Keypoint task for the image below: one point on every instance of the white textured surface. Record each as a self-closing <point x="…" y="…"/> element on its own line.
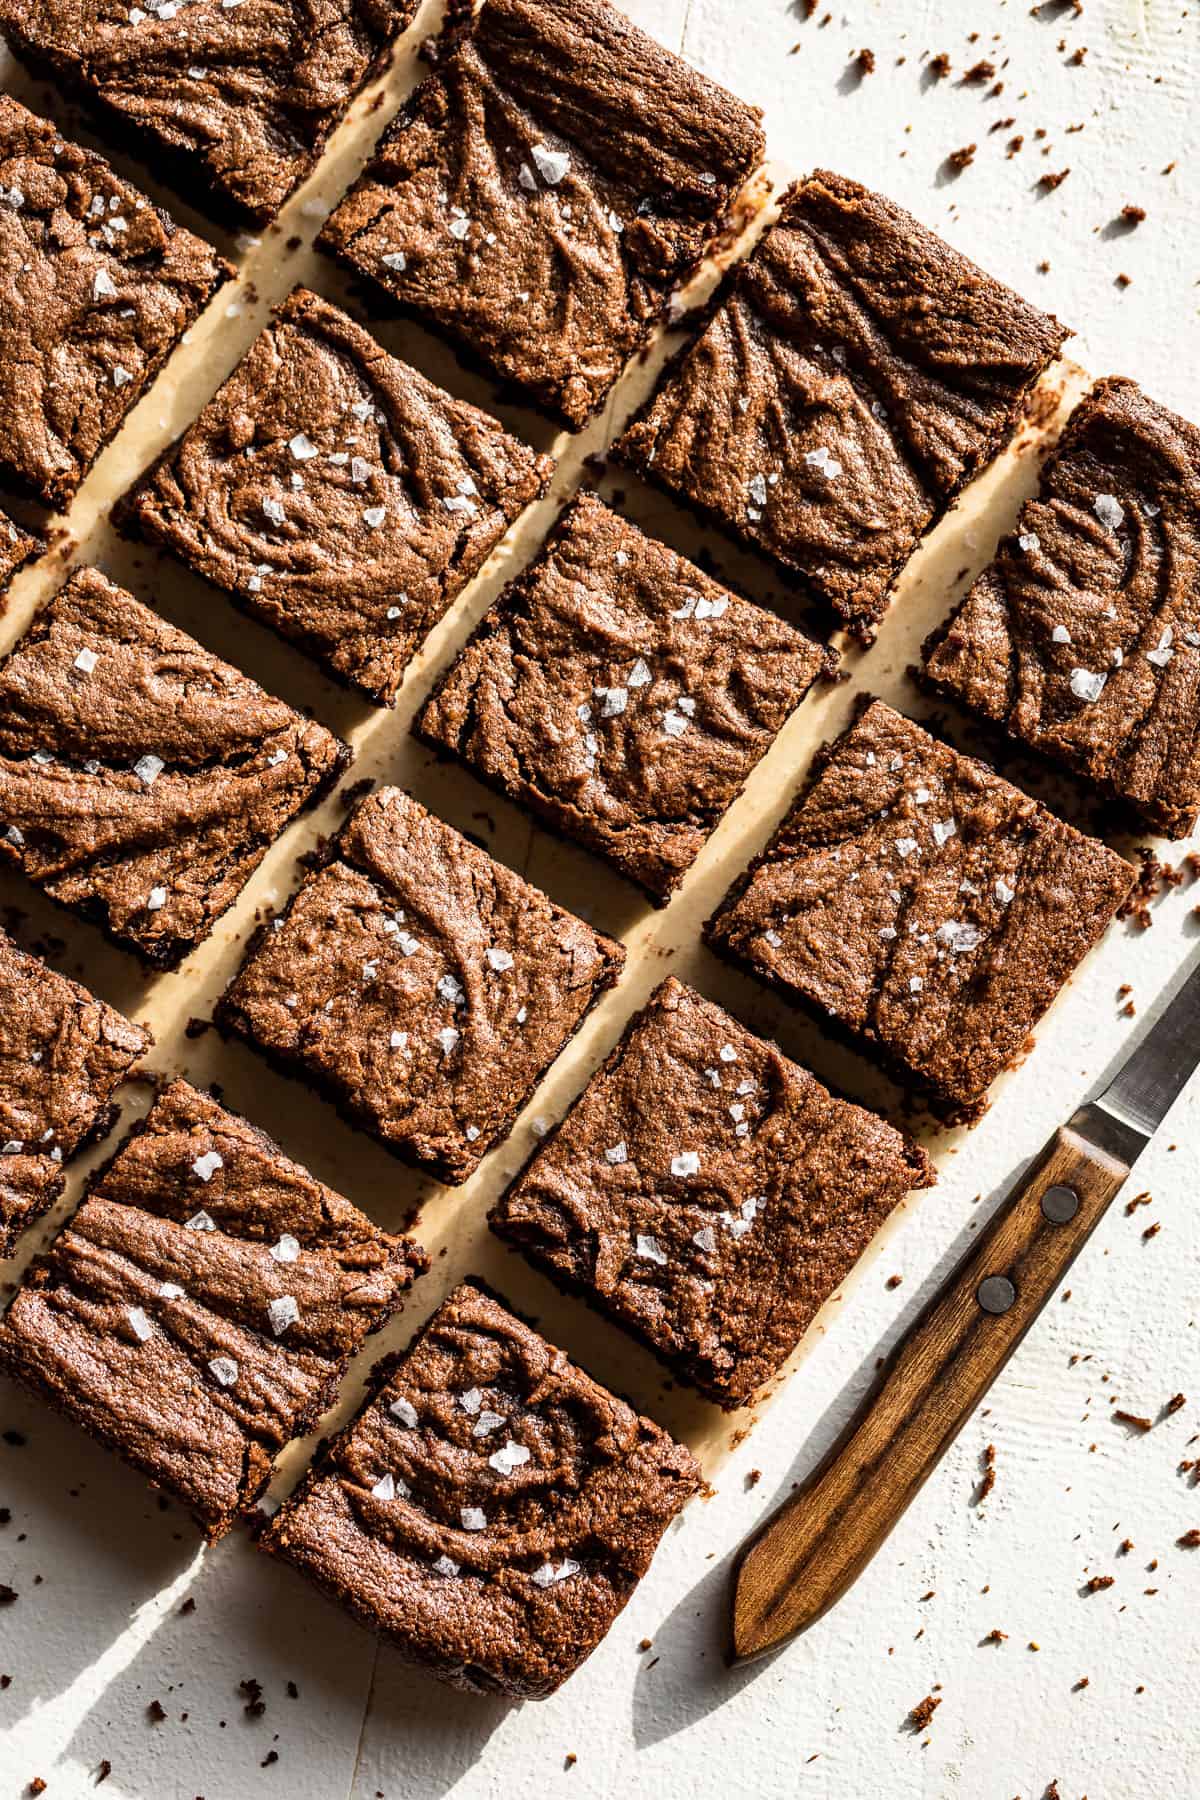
<point x="102" y="1635"/>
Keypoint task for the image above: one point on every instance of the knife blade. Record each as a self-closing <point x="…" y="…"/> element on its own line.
<point x="802" y="1560"/>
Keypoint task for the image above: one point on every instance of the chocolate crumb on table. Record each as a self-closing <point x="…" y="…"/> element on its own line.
<point x="707" y="1194"/>
<point x="336" y="494"/>
<point x="797" y="420"/>
<point x="542" y="195"/>
<point x="235" y="102"/>
<point x="201" y="1307"/>
<point x="922" y="906"/>
<point x="663" y="687"/>
<point x="421" y="986"/>
<point x="17" y="547"/>
<point x="142" y="779"/>
<point x="63" y="1054"/>
<point x="491" y="1509"/>
<point x="98" y="287"/>
<point x="1082" y="636"/>
<point x="923" y="1712"/>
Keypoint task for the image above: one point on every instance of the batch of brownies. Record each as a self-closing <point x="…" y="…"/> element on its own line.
<point x="538" y="200"/>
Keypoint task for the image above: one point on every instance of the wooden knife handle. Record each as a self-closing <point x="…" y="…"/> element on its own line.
<point x="810" y="1551"/>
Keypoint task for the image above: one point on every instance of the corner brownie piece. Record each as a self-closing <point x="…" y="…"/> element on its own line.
<point x="539" y="198"/>
<point x="97" y="287"/>
<point x="855" y="376"/>
<point x="922" y="904"/>
<point x="201" y="1307"/>
<point x="491" y="1509"/>
<point x="63" y="1053"/>
<point x="422" y="987"/>
<point x="708" y="1194"/>
<point x="621" y="695"/>
<point x="336" y="494"/>
<point x="17" y="547"/>
<point x="1082" y="637"/>
<point x="142" y="780"/>
<point x="237" y="100"/>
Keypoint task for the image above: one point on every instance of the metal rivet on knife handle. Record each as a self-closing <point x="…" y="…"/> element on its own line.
<point x="1060" y="1204"/>
<point x="996" y="1294"/>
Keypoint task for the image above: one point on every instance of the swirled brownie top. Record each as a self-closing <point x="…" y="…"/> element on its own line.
<point x="141" y="778"/>
<point x="856" y="376"/>
<point x="201" y="1307"/>
<point x="97" y="286"/>
<point x="62" y="1055"/>
<point x="541" y="195"/>
<point x="1082" y="637"/>
<point x="922" y="904"/>
<point x="237" y="99"/>
<point x="621" y="695"/>
<point x="708" y="1194"/>
<point x="336" y="494"/>
<point x="491" y="1509"/>
<point x="422" y="986"/>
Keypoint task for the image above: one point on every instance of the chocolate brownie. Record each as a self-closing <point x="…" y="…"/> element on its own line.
<point x="201" y="1307"/>
<point x="97" y="287"/>
<point x="237" y="101"/>
<point x="63" y="1053"/>
<point x="621" y="695"/>
<point x="540" y="197"/>
<point x="17" y="547"/>
<point x="421" y="986"/>
<point x="1082" y="637"/>
<point x="708" y="1194"/>
<point x="142" y="780"/>
<point x="336" y="494"/>
<point x="491" y="1509"/>
<point x="923" y="905"/>
<point x="856" y="374"/>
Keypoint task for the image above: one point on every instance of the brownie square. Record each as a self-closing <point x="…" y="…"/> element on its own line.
<point x="97" y="287"/>
<point x="621" y="695"/>
<point x="540" y="197"/>
<point x="201" y="1307"/>
<point x="142" y="780"/>
<point x="63" y="1053"/>
<point x="923" y="905"/>
<point x="1082" y="637"/>
<point x="336" y="494"/>
<point x="236" y="101"/>
<point x="857" y="373"/>
<point x="422" y="987"/>
<point x="707" y="1194"/>
<point x="17" y="547"/>
<point x="491" y="1509"/>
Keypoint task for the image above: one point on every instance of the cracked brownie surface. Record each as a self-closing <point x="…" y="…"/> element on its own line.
<point x="708" y="1194"/>
<point x="200" y="1308"/>
<point x="923" y="904"/>
<point x="142" y="780"/>
<point x="541" y="195"/>
<point x="336" y="494"/>
<point x="17" y="547"/>
<point x="422" y="986"/>
<point x="621" y="695"/>
<point x="491" y="1509"/>
<point x="97" y="287"/>
<point x="238" y="99"/>
<point x="855" y="376"/>
<point x="63" y="1053"/>
<point x="1082" y="637"/>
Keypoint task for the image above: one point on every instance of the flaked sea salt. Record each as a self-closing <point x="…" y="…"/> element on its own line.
<point x="207" y="1165"/>
<point x="282" y="1313"/>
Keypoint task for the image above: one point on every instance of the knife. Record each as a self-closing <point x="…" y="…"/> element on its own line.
<point x="806" y="1555"/>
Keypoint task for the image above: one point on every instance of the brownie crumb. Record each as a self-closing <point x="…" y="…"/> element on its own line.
<point x="1050" y="181"/>
<point x="1075" y="60"/>
<point x="7" y="1594"/>
<point x="103" y="1771"/>
<point x="36" y="1786"/>
<point x="1175" y="1404"/>
<point x="1078" y="1686"/>
<point x="1137" y="1421"/>
<point x="189" y="1606"/>
<point x="864" y="62"/>
<point x="254" y="1706"/>
<point x="893" y="1281"/>
<point x="1098" y="1582"/>
<point x="570" y="1759"/>
<point x="979" y="73"/>
<point x="996" y="1636"/>
<point x="156" y="1712"/>
<point x="272" y="1756"/>
<point x="939" y="66"/>
<point x="1190" y="1539"/>
<point x="958" y="160"/>
<point x="988" y="1479"/>
<point x="293" y="1692"/>
<point x="923" y="1711"/>
<point x="1132" y="215"/>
